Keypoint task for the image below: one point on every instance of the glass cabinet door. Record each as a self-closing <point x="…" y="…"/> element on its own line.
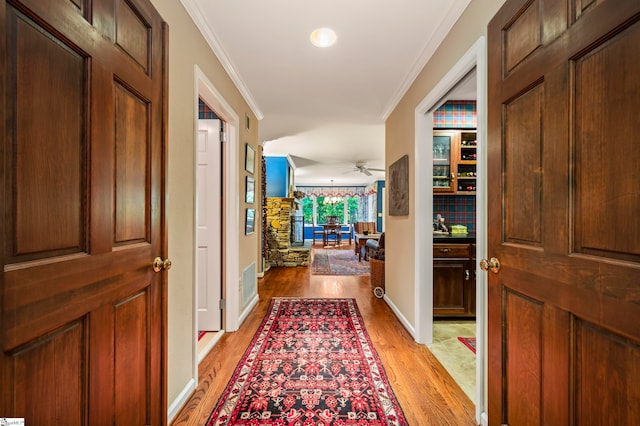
<point x="442" y="173"/>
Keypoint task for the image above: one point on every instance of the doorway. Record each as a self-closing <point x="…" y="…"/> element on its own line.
<point x="226" y="207"/>
<point x="208" y="220"/>
<point x="454" y="182"/>
<point x="474" y="58"/>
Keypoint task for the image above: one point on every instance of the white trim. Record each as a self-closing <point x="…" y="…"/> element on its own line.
<point x="481" y="232"/>
<point x="403" y="320"/>
<point x="211" y="38"/>
<point x="431" y="45"/>
<point x="475" y="57"/>
<point x="245" y="313"/>
<point x="203" y="352"/>
<point x="205" y="89"/>
<point x="232" y="225"/>
<point x="178" y="403"/>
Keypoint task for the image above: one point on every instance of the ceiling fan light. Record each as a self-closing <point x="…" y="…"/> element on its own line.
<point x="323" y="37"/>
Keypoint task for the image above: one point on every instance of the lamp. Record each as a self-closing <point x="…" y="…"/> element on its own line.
<point x="332" y="199"/>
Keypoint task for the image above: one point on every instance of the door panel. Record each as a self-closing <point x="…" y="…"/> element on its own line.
<point x="131" y="167"/>
<point x="47" y="213"/>
<point x="607" y="108"/>
<point x="209" y="225"/>
<point x="60" y="357"/>
<point x="131" y="358"/>
<point x="523" y="168"/>
<point x="602" y="394"/>
<point x="522" y="335"/>
<point x="564" y="344"/>
<point x="83" y="315"/>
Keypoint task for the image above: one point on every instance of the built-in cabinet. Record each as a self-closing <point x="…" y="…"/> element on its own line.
<point x="454" y="161"/>
<point x="454" y="281"/>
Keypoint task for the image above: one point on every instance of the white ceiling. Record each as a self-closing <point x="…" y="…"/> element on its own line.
<point x="325" y="108"/>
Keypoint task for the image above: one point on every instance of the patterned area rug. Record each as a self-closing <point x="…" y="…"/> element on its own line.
<point x="311" y="362"/>
<point x="337" y="262"/>
<point x="469" y="342"/>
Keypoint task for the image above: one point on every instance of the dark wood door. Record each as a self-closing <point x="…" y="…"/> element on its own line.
<point x="564" y="198"/>
<point x="83" y="312"/>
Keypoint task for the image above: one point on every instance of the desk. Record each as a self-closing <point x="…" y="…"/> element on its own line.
<point x="332" y="229"/>
<point x="361" y="240"/>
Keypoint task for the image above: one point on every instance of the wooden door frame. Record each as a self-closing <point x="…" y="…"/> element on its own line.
<point x="475" y="57"/>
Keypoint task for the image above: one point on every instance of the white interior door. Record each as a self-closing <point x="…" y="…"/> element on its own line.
<point x="208" y="224"/>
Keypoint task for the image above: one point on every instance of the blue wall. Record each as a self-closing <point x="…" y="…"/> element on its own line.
<point x="277" y="176"/>
<point x="379" y="206"/>
<point x="308" y="232"/>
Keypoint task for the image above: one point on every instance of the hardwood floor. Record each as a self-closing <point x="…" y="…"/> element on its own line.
<point x="426" y="392"/>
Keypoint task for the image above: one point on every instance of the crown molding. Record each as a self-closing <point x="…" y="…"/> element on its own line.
<point x="209" y="35"/>
<point x="455" y="10"/>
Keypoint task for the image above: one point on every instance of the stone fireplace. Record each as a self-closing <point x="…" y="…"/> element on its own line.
<point x="279" y="214"/>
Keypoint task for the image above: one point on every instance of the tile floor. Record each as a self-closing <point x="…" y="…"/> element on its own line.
<point x="459" y="361"/>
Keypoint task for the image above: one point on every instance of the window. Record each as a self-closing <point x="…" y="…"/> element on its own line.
<point x="346" y="212"/>
<point x="333" y="208"/>
<point x="307" y="209"/>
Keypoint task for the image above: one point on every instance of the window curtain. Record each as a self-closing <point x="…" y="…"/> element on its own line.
<point x="367" y="196"/>
<point x="335" y="191"/>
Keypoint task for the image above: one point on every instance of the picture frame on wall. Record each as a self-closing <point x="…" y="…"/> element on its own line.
<point x="250" y="222"/>
<point x="398" y="185"/>
<point x="249" y="196"/>
<point x="250" y="159"/>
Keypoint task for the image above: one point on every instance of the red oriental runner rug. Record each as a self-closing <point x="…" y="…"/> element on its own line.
<point x="311" y="362"/>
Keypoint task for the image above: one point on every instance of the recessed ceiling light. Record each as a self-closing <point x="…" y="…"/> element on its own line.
<point x="323" y="37"/>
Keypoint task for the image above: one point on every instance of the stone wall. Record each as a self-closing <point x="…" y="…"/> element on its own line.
<point x="279" y="234"/>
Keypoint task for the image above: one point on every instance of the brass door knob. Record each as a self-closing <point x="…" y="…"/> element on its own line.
<point x="159" y="264"/>
<point x="492" y="265"/>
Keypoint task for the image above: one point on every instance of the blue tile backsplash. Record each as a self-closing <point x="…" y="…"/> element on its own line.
<point x="457" y="210"/>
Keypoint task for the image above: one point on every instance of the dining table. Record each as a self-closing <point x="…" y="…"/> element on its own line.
<point x="332" y="229"/>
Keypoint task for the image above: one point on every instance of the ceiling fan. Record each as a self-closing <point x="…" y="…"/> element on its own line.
<point x="362" y="167"/>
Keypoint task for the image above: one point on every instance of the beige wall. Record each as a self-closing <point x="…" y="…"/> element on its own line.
<point x="400" y="140"/>
<point x="187" y="48"/>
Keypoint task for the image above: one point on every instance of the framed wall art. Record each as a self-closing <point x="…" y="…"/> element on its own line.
<point x="250" y="223"/>
<point x="249" y="195"/>
<point x="250" y="159"/>
<point x="398" y="187"/>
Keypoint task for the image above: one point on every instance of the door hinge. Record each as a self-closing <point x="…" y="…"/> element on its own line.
<point x="223" y="304"/>
<point x="223" y="136"/>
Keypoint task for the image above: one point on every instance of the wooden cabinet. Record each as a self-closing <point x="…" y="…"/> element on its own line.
<point x="444" y="143"/>
<point x="454" y="161"/>
<point x="454" y="283"/>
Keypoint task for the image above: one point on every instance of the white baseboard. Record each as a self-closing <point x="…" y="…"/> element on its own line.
<point x="211" y="342"/>
<point x="484" y="419"/>
<point x="183" y="397"/>
<point x="248" y="309"/>
<point x="401" y="317"/>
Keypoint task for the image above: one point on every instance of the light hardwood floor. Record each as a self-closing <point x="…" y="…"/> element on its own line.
<point x="427" y="393"/>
